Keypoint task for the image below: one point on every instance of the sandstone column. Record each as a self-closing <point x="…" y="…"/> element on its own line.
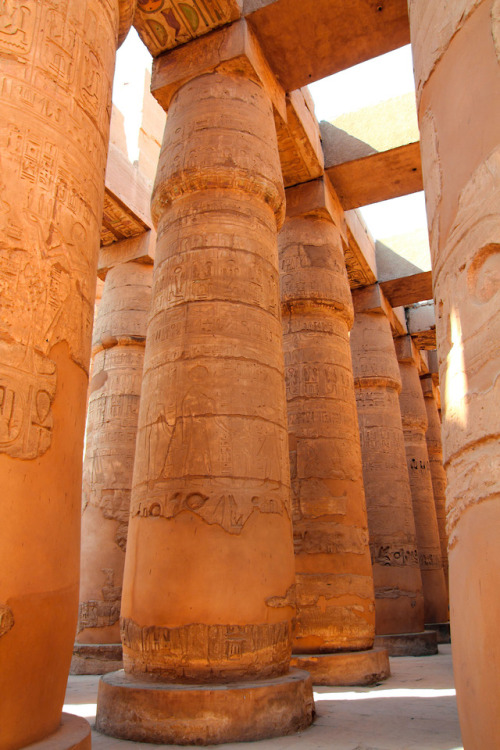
<point x="335" y="625"/>
<point x="456" y="51"/>
<point x="118" y="355"/>
<point x="438" y="474"/>
<point x="398" y="583"/>
<point x="57" y="62"/>
<point x="209" y="572"/>
<point x="414" y="419"/>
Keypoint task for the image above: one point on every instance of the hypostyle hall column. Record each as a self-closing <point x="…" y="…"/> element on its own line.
<point x="118" y="356"/>
<point x="414" y="419"/>
<point x="209" y="573"/>
<point x="335" y="625"/>
<point x="57" y="63"/>
<point x="398" y="583"/>
<point x="438" y="474"/>
<point x="456" y="52"/>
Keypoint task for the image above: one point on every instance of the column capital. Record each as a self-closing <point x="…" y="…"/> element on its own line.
<point x="317" y="199"/>
<point x="140" y="249"/>
<point x="371" y="299"/>
<point x="232" y="50"/>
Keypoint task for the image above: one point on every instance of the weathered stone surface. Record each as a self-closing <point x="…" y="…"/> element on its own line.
<point x="465" y="255"/>
<point x="73" y="733"/>
<point x="414" y="419"/>
<point x="346" y="668"/>
<point x="438" y="474"/>
<point x="398" y="583"/>
<point x="57" y="68"/>
<point x="335" y="599"/>
<point x="96" y="658"/>
<point x="118" y="344"/>
<point x="150" y="711"/>
<point x="409" y="644"/>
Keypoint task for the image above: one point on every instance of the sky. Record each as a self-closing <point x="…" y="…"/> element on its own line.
<point x="363" y="85"/>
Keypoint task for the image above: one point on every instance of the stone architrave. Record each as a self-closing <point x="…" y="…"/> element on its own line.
<point x="117" y="361"/>
<point x="398" y="583"/>
<point x="438" y="474"/>
<point x="57" y="62"/>
<point x="335" y="596"/>
<point x="208" y="591"/>
<point x="456" y="52"/>
<point x="414" y="419"/>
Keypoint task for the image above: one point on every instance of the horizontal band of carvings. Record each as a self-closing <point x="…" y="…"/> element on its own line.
<point x="398" y="557"/>
<point x="330" y="307"/>
<point x="430" y="560"/>
<point x="377" y="381"/>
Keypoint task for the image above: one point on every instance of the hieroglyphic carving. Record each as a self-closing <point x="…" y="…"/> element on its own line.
<point x="53" y="144"/>
<point x="164" y="24"/>
<point x="98" y="613"/>
<point x="118" y="222"/>
<point x="169" y="652"/>
<point x="399" y="557"/>
<point x="6" y="619"/>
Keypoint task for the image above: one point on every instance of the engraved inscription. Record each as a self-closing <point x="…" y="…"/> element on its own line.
<point x="98" y="613"/>
<point x="6" y="619"/>
<point x="394" y="556"/>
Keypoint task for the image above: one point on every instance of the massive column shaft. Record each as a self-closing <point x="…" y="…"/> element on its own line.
<point x="398" y="584"/>
<point x="57" y="62"/>
<point x="438" y="474"/>
<point x="335" y="596"/>
<point x="456" y="52"/>
<point x="414" y="419"/>
<point x="209" y="571"/>
<point x="118" y="355"/>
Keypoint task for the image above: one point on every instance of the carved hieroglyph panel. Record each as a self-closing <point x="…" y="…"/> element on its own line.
<point x="164" y="24"/>
<point x="55" y="91"/>
<point x="117" y="222"/>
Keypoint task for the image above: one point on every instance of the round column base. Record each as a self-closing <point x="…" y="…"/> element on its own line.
<point x="409" y="644"/>
<point x="442" y="629"/>
<point x="73" y="734"/>
<point x="96" y="658"/>
<point x="134" y="708"/>
<point x="346" y="667"/>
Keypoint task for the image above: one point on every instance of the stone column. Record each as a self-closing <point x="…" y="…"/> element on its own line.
<point x="335" y="625"/>
<point x="209" y="572"/>
<point x="57" y="62"/>
<point x="459" y="112"/>
<point x="414" y="419"/>
<point x="438" y="474"/>
<point x="117" y="360"/>
<point x="398" y="583"/>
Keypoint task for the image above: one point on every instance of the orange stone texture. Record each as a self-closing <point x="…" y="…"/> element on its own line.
<point x="57" y="68"/>
<point x="456" y="49"/>
<point x="438" y="474"/>
<point x="414" y="419"/>
<point x="208" y="590"/>
<point x="398" y="583"/>
<point x="118" y="356"/>
<point x="335" y="596"/>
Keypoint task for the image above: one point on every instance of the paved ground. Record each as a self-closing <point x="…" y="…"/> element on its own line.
<point x="414" y="709"/>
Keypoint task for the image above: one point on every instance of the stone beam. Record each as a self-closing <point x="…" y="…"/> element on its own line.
<point x="421" y="321"/>
<point x="126" y="211"/>
<point x="376" y="176"/>
<point x="406" y="290"/>
<point x="140" y="249"/>
<point x="299" y="140"/>
<point x="359" y="253"/>
<point x="333" y="34"/>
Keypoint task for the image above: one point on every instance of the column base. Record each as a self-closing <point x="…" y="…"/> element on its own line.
<point x="134" y="708"/>
<point x="96" y="658"/>
<point x="73" y="734"/>
<point x="346" y="667"/>
<point x="442" y="629"/>
<point x="409" y="644"/>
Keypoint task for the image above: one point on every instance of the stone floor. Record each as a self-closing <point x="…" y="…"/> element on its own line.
<point x="414" y="709"/>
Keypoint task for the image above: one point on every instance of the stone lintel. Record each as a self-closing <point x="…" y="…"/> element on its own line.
<point x="359" y="252"/>
<point x="140" y="249"/>
<point x="372" y="299"/>
<point x="428" y="387"/>
<point x="422" y="324"/>
<point x="316" y="198"/>
<point x="377" y="176"/>
<point x="299" y="139"/>
<point x="432" y="357"/>
<point x="166" y="25"/>
<point x="406" y="351"/>
<point x="127" y="197"/>
<point x="233" y="49"/>
<point x="406" y="290"/>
